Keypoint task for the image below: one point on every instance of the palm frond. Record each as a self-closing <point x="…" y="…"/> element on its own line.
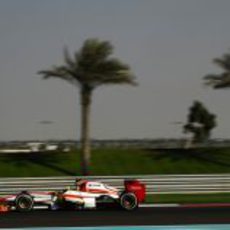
<point x="55" y="71"/>
<point x="218" y="81"/>
<point x="60" y="72"/>
<point x="92" y="66"/>
<point x="223" y="62"/>
<point x="67" y="58"/>
<point x="96" y="50"/>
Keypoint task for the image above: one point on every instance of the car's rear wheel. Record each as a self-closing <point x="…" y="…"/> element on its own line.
<point x="24" y="202"/>
<point x="128" y="201"/>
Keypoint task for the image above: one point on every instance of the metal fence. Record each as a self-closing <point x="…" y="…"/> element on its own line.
<point x="155" y="184"/>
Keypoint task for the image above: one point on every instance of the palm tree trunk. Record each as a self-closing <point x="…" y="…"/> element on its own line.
<point x="86" y="95"/>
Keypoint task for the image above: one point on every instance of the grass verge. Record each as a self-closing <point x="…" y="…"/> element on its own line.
<point x="117" y="162"/>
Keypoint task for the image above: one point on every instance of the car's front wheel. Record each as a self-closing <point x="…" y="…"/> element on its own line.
<point x="24" y="202"/>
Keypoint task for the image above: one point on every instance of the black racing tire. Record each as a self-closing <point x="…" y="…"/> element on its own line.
<point x="24" y="202"/>
<point x="128" y="201"/>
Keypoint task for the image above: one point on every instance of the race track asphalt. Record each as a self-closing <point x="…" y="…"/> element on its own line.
<point x="142" y="216"/>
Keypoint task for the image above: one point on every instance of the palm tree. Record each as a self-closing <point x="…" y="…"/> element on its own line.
<point x="89" y="68"/>
<point x="222" y="80"/>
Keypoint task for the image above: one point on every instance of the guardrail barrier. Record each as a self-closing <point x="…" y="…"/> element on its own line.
<point x="155" y="184"/>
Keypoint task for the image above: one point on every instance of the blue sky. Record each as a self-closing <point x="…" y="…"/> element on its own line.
<point x="169" y="45"/>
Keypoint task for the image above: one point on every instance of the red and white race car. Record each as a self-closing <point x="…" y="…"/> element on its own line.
<point x="88" y="195"/>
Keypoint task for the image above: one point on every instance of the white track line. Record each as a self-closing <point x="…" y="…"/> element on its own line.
<point x="158" y="205"/>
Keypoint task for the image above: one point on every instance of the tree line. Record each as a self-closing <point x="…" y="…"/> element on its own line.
<point x="94" y="65"/>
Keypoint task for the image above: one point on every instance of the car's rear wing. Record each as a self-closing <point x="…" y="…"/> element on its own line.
<point x="137" y="188"/>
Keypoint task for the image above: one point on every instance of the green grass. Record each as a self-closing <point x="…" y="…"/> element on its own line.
<point x="118" y="162"/>
<point x="188" y="198"/>
<point x="123" y="162"/>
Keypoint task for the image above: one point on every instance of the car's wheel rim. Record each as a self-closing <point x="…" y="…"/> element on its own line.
<point x="129" y="202"/>
<point x="24" y="203"/>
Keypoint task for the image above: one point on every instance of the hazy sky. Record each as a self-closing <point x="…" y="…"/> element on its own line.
<point x="169" y="45"/>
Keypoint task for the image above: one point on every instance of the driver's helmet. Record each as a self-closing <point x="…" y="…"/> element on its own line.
<point x="78" y="183"/>
<point x="78" y="180"/>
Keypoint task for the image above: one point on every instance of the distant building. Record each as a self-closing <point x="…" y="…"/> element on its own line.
<point x="35" y="146"/>
<point x="50" y="147"/>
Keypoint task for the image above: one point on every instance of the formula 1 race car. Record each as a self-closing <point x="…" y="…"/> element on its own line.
<point x="89" y="195"/>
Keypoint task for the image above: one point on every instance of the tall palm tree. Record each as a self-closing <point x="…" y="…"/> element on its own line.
<point x="89" y="68"/>
<point x="222" y="80"/>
